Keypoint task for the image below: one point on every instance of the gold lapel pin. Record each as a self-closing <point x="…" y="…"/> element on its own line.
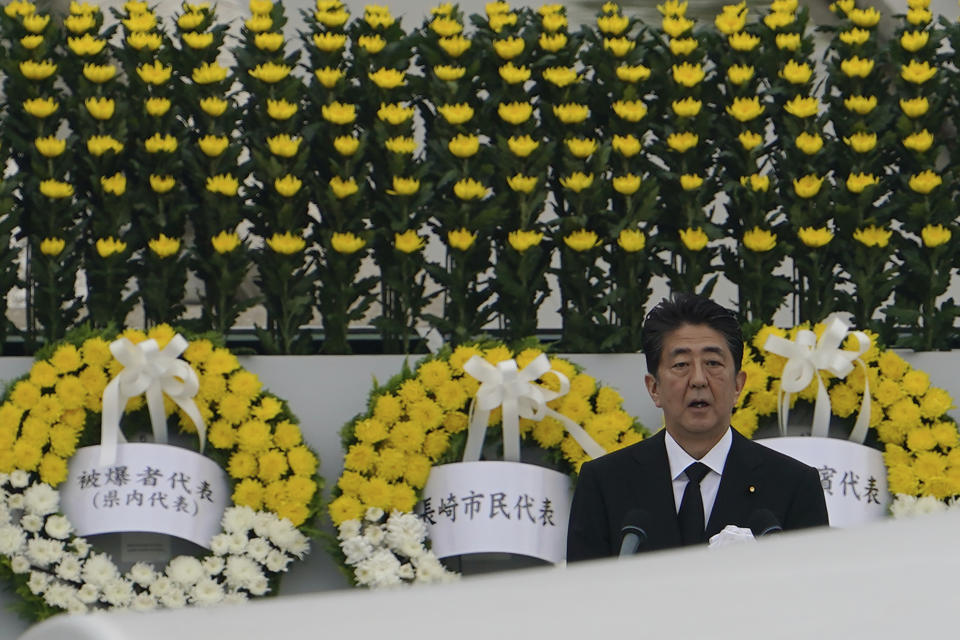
<point x="752" y="489"/>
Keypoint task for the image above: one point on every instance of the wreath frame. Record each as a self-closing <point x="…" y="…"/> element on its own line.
<point x="378" y="543"/>
<point x="908" y="421"/>
<point x="47" y="413"/>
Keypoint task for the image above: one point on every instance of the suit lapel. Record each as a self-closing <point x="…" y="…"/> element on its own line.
<point x="737" y="490"/>
<point x="656" y="490"/>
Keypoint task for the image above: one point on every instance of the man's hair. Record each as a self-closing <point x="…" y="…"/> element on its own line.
<point x="687" y="309"/>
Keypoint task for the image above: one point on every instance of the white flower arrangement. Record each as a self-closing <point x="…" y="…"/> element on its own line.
<point x="390" y="551"/>
<point x="66" y="573"/>
<point x="904" y="506"/>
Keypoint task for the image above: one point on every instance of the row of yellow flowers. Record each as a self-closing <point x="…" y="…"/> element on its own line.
<point x="615" y="143"/>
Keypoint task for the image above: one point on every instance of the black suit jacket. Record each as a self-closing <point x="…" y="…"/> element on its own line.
<point x="638" y="477"/>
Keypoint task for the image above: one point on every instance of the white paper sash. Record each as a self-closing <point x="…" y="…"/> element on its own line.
<point x="506" y="386"/>
<point x="152" y="371"/>
<point x="806" y="356"/>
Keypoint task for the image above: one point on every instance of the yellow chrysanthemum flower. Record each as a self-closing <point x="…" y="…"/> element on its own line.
<point x="914" y="107"/>
<point x="746" y="109"/>
<point x="582" y="240"/>
<point x="213" y="106"/>
<point x="925" y="181"/>
<point x="40" y="107"/>
<point x="470" y="189"/>
<point x="164" y="247"/>
<point x="107" y="247"/>
<point x="288" y="185"/>
<point x="225" y="242"/>
<point x="759" y="240"/>
<point x="343" y="187"/>
<point x="861" y="105"/>
<point x="408" y="241"/>
<point x="456" y="114"/>
<point x="286" y="243"/>
<point x="694" y="239"/>
<point x="524" y="240"/>
<point x="631" y="241"/>
<point x="873" y="236"/>
<point x="858" y="182"/>
<point x="814" y="237"/>
<point x="935" y="235"/>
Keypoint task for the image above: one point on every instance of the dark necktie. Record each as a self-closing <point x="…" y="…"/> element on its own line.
<point x="691" y="506"/>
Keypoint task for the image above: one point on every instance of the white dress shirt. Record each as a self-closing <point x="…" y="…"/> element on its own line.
<point x="714" y="459"/>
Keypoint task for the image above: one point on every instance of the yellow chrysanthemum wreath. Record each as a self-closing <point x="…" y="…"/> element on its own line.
<point x="54" y="409"/>
<point x="419" y="419"/>
<point x="907" y="419"/>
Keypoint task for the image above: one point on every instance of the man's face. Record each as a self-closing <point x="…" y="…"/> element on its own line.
<point x="695" y="385"/>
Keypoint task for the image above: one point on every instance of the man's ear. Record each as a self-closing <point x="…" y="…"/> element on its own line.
<point x="740" y="380"/>
<point x="653" y="388"/>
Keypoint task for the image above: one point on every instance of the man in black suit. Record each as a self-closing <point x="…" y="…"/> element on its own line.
<point x="693" y="349"/>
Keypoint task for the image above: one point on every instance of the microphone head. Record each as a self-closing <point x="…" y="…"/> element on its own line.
<point x="636" y="522"/>
<point x="762" y="522"/>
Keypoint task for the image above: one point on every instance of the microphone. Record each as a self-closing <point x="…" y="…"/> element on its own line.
<point x="633" y="534"/>
<point x="762" y="522"/>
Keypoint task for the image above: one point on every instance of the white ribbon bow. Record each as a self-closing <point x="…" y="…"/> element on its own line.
<point x="155" y="372"/>
<point x="513" y="389"/>
<point x="805" y="358"/>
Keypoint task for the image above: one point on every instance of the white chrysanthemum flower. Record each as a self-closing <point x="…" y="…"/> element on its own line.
<point x="258" y="548"/>
<point x="60" y="595"/>
<point x="930" y="504"/>
<point x="356" y="550"/>
<point x="406" y="572"/>
<point x="185" y="570"/>
<point x="430" y="569"/>
<point x="31" y="522"/>
<point x="348" y="529"/>
<point x="262" y="521"/>
<point x="143" y="602"/>
<point x="207" y="592"/>
<point x="277" y="561"/>
<point x="903" y="506"/>
<point x="58" y="527"/>
<point x="161" y="587"/>
<point x="213" y="565"/>
<point x="142" y="574"/>
<point x="38" y="582"/>
<point x="19" y="564"/>
<point x="374" y="534"/>
<point x="41" y="499"/>
<point x="242" y="573"/>
<point x="19" y="479"/>
<point x="259" y="586"/>
<point x="15" y="501"/>
<point x="81" y="546"/>
<point x="373" y="514"/>
<point x="118" y="592"/>
<point x="235" y="597"/>
<point x="5" y="515"/>
<point x="98" y="570"/>
<point x="69" y="568"/>
<point x="88" y="594"/>
<point x="238" y="519"/>
<point x="379" y="570"/>
<point x="238" y="543"/>
<point x="75" y="606"/>
<point x="285" y="536"/>
<point x="220" y="544"/>
<point x="174" y="599"/>
<point x="405" y="533"/>
<point x="12" y="539"/>
<point x="42" y="552"/>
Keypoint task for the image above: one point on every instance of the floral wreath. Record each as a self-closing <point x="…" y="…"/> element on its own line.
<point x="907" y="415"/>
<point x="419" y="419"/>
<point x="48" y="413"/>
